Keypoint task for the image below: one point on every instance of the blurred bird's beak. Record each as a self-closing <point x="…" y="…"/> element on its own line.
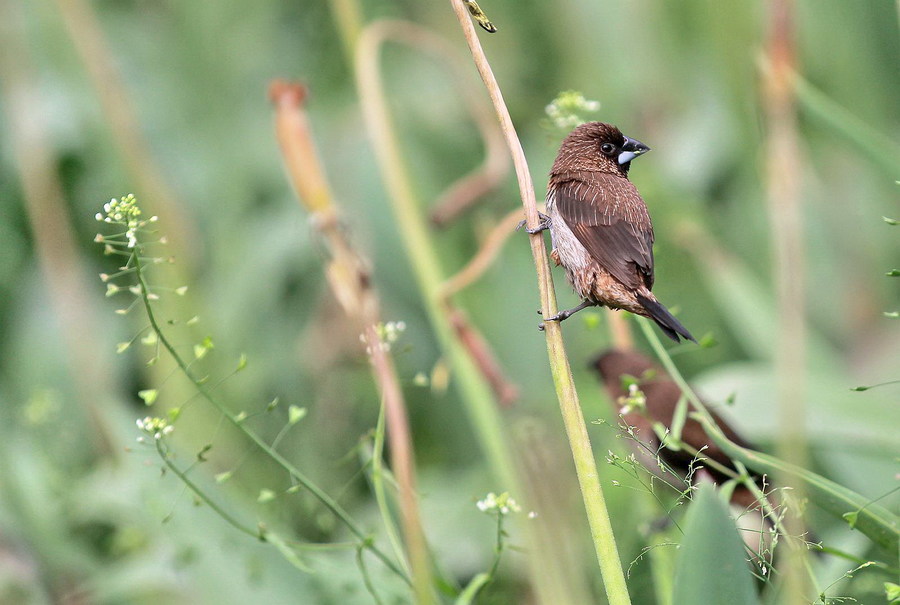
<point x="632" y="149"/>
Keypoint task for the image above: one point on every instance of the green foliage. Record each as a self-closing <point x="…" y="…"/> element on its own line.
<point x="712" y="565"/>
<point x="861" y="513"/>
<point x="92" y="515"/>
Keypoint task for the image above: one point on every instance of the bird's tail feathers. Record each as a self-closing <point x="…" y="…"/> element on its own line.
<point x="670" y="326"/>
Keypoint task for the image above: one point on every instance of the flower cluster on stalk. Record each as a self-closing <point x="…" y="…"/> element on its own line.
<point x="568" y="108"/>
<point x="124" y="211"/>
<point x="154" y="426"/>
<point x="503" y="504"/>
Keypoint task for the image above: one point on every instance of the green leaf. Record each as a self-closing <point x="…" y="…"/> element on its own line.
<point x="893" y="273"/>
<point x="679" y="417"/>
<point x="876" y="522"/>
<point x="892" y="314"/>
<point x="201" y="455"/>
<point x="892" y="592"/>
<point x="890" y="221"/>
<point x="475" y="585"/>
<point x="272" y="405"/>
<point x="223" y="477"/>
<point x="295" y="414"/>
<point x="204" y="347"/>
<point x="711" y="566"/>
<point x="708" y="341"/>
<point x="265" y="495"/>
<point x="242" y="362"/>
<point x="148" y="395"/>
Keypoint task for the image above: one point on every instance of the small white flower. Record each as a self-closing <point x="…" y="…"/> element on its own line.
<point x="154" y="426"/>
<point x="502" y="504"/>
<point x="488" y="503"/>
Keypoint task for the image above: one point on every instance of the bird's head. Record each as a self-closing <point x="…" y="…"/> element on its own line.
<point x="596" y="146"/>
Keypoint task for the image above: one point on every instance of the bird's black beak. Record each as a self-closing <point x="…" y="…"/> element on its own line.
<point x="631" y="149"/>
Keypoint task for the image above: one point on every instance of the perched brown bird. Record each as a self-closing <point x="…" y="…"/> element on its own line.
<point x="600" y="227"/>
<point x="662" y="394"/>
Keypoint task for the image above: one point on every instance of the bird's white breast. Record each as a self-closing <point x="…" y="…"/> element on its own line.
<point x="572" y="254"/>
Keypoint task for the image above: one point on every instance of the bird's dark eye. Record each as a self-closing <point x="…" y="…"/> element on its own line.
<point x="607" y="148"/>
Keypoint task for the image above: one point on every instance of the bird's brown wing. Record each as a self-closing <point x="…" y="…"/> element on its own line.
<point x="609" y="218"/>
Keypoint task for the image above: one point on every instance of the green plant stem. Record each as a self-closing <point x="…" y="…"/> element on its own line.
<point x="421" y="252"/>
<point x="784" y="209"/>
<point x="712" y="429"/>
<point x="576" y="430"/>
<point x="477" y="584"/>
<point x="293" y="471"/>
<point x="360" y="560"/>
<point x="257" y="533"/>
<point x="378" y="473"/>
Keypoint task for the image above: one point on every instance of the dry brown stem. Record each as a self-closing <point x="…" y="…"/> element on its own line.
<point x="482" y="355"/>
<point x="349" y="279"/>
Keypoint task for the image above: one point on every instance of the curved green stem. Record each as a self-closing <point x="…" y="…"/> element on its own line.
<point x="293" y="471"/>
<point x="256" y="533"/>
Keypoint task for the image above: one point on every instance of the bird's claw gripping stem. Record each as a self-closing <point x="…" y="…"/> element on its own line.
<point x="543" y="225"/>
<point x="564" y="315"/>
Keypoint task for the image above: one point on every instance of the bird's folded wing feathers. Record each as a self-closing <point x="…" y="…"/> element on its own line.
<point x="607" y="215"/>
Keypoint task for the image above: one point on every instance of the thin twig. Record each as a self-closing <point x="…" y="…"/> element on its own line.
<point x="484" y="258"/>
<point x="482" y="355"/>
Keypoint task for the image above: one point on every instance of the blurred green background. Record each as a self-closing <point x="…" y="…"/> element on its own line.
<point x="85" y="514"/>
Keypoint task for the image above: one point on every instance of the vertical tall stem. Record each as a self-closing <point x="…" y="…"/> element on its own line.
<point x="579" y="442"/>
<point x="783" y="172"/>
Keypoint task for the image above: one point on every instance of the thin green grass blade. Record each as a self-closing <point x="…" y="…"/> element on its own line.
<point x="873" y="520"/>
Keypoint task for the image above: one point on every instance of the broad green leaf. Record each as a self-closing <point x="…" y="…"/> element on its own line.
<point x="876" y="522"/>
<point x="711" y="565"/>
